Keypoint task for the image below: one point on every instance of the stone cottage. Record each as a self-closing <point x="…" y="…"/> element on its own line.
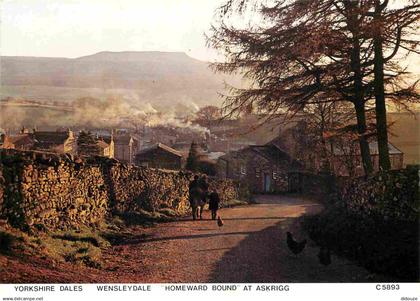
<point x="347" y="162"/>
<point x="106" y="149"/>
<point x="19" y="142"/>
<point x="160" y="156"/>
<point x="125" y="147"/>
<point x="60" y="142"/>
<point x="264" y="168"/>
<point x="106" y="146"/>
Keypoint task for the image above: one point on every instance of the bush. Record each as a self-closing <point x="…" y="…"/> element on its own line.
<point x="381" y="245"/>
<point x="7" y="241"/>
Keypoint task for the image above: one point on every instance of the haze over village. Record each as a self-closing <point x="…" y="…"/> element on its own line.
<point x="123" y="102"/>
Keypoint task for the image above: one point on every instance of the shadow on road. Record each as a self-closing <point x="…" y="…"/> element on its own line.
<point x="263" y="256"/>
<point x="143" y="239"/>
<point x="252" y="218"/>
<point x="214" y="249"/>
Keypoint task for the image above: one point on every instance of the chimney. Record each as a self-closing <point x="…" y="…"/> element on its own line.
<point x="70" y="133"/>
<point x="24" y="130"/>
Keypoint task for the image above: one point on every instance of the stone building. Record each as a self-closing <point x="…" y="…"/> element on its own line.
<point x="19" y="142"/>
<point x="125" y="147"/>
<point x="160" y="156"/>
<point x="106" y="146"/>
<point x="264" y="168"/>
<point x="347" y="162"/>
<point x="60" y="142"/>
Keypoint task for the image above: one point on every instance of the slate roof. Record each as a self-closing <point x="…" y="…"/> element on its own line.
<point x="273" y="153"/>
<point x="373" y="148"/>
<point x="122" y="139"/>
<point x="20" y="140"/>
<point x="160" y="146"/>
<point x="102" y="144"/>
<point x="268" y="151"/>
<point x="106" y="139"/>
<point x="49" y="139"/>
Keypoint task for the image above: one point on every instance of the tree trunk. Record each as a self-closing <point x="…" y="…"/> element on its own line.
<point x="359" y="105"/>
<point x="380" y="107"/>
<point x="358" y="101"/>
<point x="363" y="143"/>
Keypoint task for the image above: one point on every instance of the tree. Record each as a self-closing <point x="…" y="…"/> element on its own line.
<point x="87" y="145"/>
<point x="208" y="114"/>
<point x="319" y="131"/>
<point x="207" y="167"/>
<point x="391" y="29"/>
<point x="303" y="53"/>
<point x="193" y="158"/>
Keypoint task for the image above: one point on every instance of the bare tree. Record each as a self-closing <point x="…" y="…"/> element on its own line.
<point x="391" y="31"/>
<point x="208" y="114"/>
<point x="303" y="53"/>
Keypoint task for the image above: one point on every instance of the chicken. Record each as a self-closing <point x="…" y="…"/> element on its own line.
<point x="294" y="246"/>
<point x="219" y="221"/>
<point x="324" y="256"/>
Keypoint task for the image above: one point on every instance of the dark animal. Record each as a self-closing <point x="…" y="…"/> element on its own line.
<point x="219" y="221"/>
<point x="294" y="246"/>
<point x="324" y="256"/>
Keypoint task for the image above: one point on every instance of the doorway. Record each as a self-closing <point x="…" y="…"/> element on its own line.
<point x="267" y="182"/>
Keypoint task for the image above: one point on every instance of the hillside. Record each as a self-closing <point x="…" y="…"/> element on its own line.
<point x="405" y="134"/>
<point x="159" y="78"/>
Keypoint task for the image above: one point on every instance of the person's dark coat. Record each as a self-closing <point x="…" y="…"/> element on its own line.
<point x="193" y="185"/>
<point x="194" y="192"/>
<point x="214" y="201"/>
<point x="203" y="184"/>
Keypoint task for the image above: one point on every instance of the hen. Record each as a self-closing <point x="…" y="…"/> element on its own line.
<point x="294" y="246"/>
<point x="219" y="221"/>
<point x="324" y="256"/>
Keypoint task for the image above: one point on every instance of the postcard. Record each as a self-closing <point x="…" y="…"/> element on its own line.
<point x="209" y="149"/>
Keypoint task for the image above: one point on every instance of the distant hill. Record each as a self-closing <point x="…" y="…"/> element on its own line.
<point x="159" y="78"/>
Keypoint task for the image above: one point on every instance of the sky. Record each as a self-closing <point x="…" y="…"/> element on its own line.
<point x="73" y="28"/>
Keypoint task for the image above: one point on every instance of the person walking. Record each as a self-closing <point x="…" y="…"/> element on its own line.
<point x="203" y="186"/>
<point x="214" y="201"/>
<point x="194" y="196"/>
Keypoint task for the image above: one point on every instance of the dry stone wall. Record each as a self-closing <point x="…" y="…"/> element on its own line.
<point x="140" y="188"/>
<point x="50" y="191"/>
<point x="393" y="194"/>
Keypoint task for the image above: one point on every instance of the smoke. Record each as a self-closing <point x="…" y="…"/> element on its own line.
<point x="171" y="120"/>
<point x="115" y="111"/>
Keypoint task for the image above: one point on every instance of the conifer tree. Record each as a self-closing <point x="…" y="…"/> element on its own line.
<point x="193" y="158"/>
<point x="303" y="52"/>
<point x="87" y="145"/>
